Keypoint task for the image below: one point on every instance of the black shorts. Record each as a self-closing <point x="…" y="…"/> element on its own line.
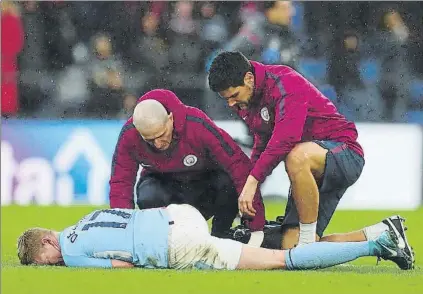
<point x="213" y="195"/>
<point x="343" y="168"/>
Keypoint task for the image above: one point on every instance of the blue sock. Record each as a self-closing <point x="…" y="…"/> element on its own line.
<point x="325" y="254"/>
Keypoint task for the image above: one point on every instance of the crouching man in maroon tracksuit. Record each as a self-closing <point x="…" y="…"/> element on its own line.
<point x="185" y="157"/>
<point x="293" y="122"/>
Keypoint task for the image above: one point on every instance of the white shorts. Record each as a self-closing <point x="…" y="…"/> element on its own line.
<point x="192" y="246"/>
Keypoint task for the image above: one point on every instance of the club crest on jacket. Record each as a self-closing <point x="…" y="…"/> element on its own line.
<point x="264" y="112"/>
<point x="190" y="160"/>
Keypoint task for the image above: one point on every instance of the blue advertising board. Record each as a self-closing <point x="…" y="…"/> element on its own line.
<point x="57" y="162"/>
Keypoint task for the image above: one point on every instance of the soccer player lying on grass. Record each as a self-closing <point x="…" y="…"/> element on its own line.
<point x="177" y="237"/>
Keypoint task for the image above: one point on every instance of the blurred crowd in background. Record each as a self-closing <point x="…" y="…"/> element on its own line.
<point x="94" y="59"/>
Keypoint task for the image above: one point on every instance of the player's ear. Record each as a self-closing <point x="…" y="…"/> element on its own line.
<point x="45" y="240"/>
<point x="249" y="79"/>
<point x="170" y="116"/>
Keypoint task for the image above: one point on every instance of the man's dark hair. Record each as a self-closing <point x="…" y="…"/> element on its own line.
<point x="227" y="70"/>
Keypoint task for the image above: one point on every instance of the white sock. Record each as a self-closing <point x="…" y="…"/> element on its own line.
<point x="374" y="231"/>
<point x="256" y="239"/>
<point x="307" y="233"/>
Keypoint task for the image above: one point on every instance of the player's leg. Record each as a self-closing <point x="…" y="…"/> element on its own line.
<point x="305" y="165"/>
<point x="151" y="193"/>
<point x="310" y="256"/>
<point x="342" y="169"/>
<point x="368" y="233"/>
<point x="354" y="236"/>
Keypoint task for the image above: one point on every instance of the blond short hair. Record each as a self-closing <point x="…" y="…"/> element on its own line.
<point x="29" y="244"/>
<point x="149" y="114"/>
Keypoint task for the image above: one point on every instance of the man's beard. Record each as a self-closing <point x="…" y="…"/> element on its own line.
<point x="247" y="104"/>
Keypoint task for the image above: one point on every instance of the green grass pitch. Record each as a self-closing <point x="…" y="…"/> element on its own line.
<point x="361" y="276"/>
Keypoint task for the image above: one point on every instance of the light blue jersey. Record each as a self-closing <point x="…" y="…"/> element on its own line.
<point x="136" y="236"/>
